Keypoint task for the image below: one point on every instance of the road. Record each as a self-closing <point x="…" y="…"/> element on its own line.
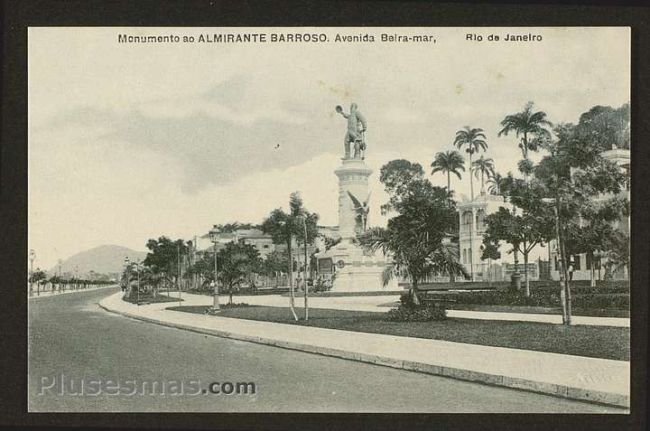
<point x="73" y="341"/>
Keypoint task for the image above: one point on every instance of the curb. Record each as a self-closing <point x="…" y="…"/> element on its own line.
<point x="562" y="391"/>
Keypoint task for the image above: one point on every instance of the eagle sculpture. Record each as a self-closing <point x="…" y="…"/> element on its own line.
<point x="362" y="210"/>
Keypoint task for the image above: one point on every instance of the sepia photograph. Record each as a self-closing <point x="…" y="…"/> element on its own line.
<point x="329" y="219"/>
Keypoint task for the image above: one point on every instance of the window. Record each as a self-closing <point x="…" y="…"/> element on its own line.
<point x="589" y="262"/>
<point x="576" y="263"/>
<point x="464" y="255"/>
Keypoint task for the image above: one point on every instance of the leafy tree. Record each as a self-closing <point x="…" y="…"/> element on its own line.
<point x="594" y="231"/>
<point x="482" y="168"/>
<point x="237" y="262"/>
<point x="530" y="125"/>
<point x="618" y="251"/>
<point x="275" y="262"/>
<point x="164" y="256"/>
<point x="448" y="162"/>
<point x="575" y="176"/>
<point x="417" y="237"/>
<point x="235" y="226"/>
<point x="522" y="231"/>
<point x="38" y="276"/>
<point x="397" y="176"/>
<point x="203" y="268"/>
<point x="474" y="140"/>
<point x="606" y="126"/>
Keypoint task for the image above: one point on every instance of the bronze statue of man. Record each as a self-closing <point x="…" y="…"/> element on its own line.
<point x="356" y="126"/>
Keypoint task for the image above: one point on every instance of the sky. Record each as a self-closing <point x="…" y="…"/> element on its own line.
<point x="133" y="141"/>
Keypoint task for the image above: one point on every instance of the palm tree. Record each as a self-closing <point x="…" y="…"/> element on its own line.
<point x="449" y="162"/>
<point x="297" y="225"/>
<point x="494" y="183"/>
<point x="530" y="125"/>
<point x="474" y="140"/>
<point x="413" y="255"/>
<point x="484" y="167"/>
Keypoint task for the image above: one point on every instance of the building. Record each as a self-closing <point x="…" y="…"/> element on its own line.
<point x="470" y="240"/>
<point x="264" y="242"/>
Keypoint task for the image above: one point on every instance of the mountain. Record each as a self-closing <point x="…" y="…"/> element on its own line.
<point x="105" y="259"/>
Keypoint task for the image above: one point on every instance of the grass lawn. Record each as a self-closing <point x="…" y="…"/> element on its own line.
<point x="594" y="312"/>
<point x="148" y="298"/>
<point x="594" y="341"/>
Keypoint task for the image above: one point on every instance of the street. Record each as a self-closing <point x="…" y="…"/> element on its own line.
<point x="72" y="339"/>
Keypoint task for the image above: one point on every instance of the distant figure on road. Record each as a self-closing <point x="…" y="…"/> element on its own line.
<point x="299" y="283"/>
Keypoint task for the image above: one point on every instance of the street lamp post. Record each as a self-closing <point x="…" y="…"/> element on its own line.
<point x="137" y="294"/>
<point x="32" y="256"/>
<point x="127" y="268"/>
<point x="214" y="237"/>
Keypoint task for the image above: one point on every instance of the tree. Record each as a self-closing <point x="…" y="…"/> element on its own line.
<point x="284" y="228"/>
<point x="37" y="276"/>
<point x="448" y="162"/>
<point x="237" y="262"/>
<point x="417" y="238"/>
<point x="397" y="176"/>
<point x="163" y="257"/>
<point x="484" y="168"/>
<point x="522" y="231"/>
<point x="495" y="183"/>
<point x="593" y="232"/>
<point x="606" y="126"/>
<point x="530" y="125"/>
<point x="574" y="175"/>
<point x="618" y="251"/>
<point x="474" y="140"/>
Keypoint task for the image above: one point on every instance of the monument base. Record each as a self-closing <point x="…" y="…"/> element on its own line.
<point x="356" y="270"/>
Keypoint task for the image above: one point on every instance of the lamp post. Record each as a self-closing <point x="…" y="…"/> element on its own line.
<point x="137" y="293"/>
<point x="565" y="293"/>
<point x="127" y="267"/>
<point x="214" y="237"/>
<point x="32" y="256"/>
<point x="598" y="256"/>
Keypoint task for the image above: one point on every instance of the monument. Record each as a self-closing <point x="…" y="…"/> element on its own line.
<point x="355" y="269"/>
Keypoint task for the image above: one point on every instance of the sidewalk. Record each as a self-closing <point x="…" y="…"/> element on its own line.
<point x="67" y="291"/>
<point x="589" y="379"/>
<point x="381" y="304"/>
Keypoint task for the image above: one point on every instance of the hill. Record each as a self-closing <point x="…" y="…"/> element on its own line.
<point x="105" y="259"/>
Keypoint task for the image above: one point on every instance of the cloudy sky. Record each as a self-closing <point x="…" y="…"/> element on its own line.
<point x="132" y="141"/>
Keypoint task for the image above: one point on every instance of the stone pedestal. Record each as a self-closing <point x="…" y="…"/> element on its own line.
<point x="353" y="178"/>
<point x="356" y="271"/>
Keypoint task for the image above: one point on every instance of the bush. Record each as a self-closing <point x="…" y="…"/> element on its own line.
<point x="235" y="305"/>
<point x="407" y="311"/>
<point x="321" y="285"/>
<point x="581" y="298"/>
